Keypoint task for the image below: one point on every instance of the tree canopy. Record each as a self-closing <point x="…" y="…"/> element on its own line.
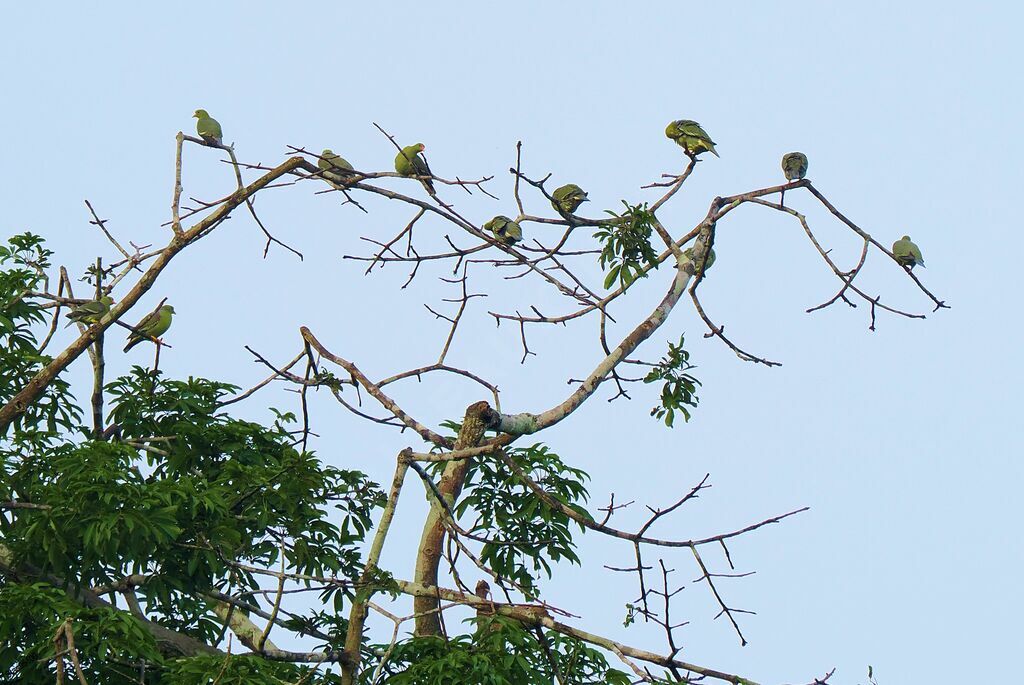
<point x="152" y="535"/>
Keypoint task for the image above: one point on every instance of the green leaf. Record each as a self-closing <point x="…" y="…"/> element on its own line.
<point x="613" y="273"/>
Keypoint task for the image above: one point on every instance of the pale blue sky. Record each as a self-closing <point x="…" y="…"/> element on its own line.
<point x="902" y="441"/>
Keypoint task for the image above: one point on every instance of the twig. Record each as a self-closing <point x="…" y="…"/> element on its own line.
<point x="725" y="609"/>
<point x="102" y="224"/>
<point x="252" y="210"/>
<point x="262" y="641"/>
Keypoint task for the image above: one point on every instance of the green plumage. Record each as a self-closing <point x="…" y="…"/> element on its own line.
<point x="409" y="162"/>
<point x="568" y="198"/>
<point x="907" y="253"/>
<point x="688" y="253"/>
<point x="505" y="230"/>
<point x="208" y="128"/>
<point x="794" y="165"/>
<point x="334" y="167"/>
<point x="153" y="325"/>
<point x="90" y="312"/>
<point x="689" y="135"/>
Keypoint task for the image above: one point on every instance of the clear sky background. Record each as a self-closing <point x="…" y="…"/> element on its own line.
<point x="903" y="441"/>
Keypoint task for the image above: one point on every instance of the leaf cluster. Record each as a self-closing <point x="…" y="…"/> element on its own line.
<point x="529" y="534"/>
<point x="679" y="391"/>
<point x="107" y="640"/>
<point x="626" y="245"/>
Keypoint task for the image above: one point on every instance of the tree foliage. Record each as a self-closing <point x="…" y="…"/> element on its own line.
<point x="626" y="249"/>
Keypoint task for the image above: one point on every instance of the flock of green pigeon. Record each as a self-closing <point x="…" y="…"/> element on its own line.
<point x="689" y="135"/>
<point x="152" y="326"/>
<point x="566" y="199"/>
<point x="409" y="161"/>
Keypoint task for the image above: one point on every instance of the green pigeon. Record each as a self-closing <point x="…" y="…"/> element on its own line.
<point x="691" y="137"/>
<point x="794" y="165"/>
<point x="505" y="230"/>
<point x="90" y="312"/>
<point x="907" y="253"/>
<point x="688" y="253"/>
<point x="153" y="325"/>
<point x="208" y="128"/>
<point x="409" y="162"/>
<point x="334" y="167"/>
<point x="568" y="198"/>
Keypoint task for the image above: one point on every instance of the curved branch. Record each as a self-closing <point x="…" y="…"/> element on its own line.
<point x="375" y="391"/>
<point x="589" y="522"/>
<point x="530" y="614"/>
<point x="939" y="304"/>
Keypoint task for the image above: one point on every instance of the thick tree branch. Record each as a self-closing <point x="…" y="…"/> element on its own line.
<point x="526" y="423"/>
<point x="479" y="417"/>
<point x="35" y="387"/>
<point x="357" y="615"/>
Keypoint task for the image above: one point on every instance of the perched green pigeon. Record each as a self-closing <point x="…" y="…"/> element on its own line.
<point x="907" y="253"/>
<point x="334" y="166"/>
<point x="505" y="230"/>
<point x="153" y="325"/>
<point x="794" y="165"/>
<point x="90" y="312"/>
<point x="568" y="198"/>
<point x="688" y="252"/>
<point x="208" y="128"/>
<point x="691" y="137"/>
<point x="409" y="162"/>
